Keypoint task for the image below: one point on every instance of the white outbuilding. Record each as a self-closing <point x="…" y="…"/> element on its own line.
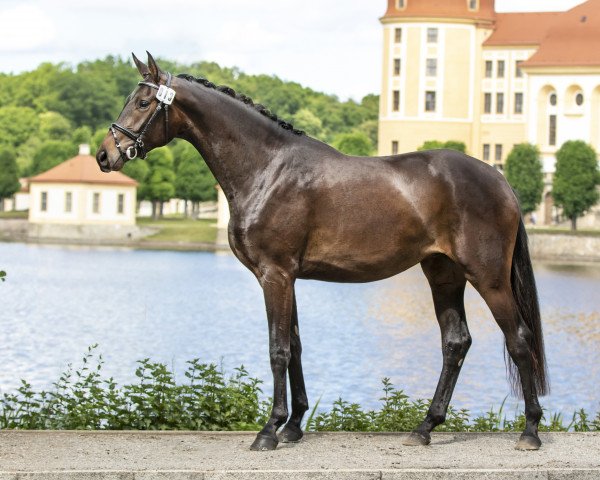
<point x="77" y="193"/>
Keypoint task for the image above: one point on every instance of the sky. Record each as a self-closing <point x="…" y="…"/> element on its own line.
<point x="328" y="45"/>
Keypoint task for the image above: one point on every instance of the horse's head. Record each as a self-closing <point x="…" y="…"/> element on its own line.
<point x="145" y="121"/>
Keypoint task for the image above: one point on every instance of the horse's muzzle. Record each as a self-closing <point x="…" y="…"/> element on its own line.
<point x="103" y="162"/>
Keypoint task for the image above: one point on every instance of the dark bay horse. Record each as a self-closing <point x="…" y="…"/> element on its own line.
<point x="301" y="209"/>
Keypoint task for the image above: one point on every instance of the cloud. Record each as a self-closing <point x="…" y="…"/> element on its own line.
<point x="25" y="28"/>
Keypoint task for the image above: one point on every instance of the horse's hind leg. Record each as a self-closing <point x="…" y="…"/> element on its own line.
<point x="501" y="302"/>
<point x="292" y="431"/>
<point x="447" y="283"/>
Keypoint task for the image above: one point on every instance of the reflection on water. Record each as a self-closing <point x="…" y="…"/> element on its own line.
<point x="175" y="306"/>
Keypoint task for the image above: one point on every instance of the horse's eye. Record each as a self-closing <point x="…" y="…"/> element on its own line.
<point x="144" y="103"/>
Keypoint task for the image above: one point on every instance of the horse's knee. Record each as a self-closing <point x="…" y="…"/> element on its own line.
<point x="455" y="347"/>
<point x="280" y="357"/>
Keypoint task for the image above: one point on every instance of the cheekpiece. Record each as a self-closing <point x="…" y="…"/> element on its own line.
<point x="165" y="95"/>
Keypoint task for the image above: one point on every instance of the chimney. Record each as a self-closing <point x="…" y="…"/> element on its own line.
<point x="84" y="149"/>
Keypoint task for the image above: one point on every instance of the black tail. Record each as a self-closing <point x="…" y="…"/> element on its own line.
<point x="525" y="294"/>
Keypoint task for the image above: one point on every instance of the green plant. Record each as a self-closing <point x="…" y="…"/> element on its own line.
<point x="2" y="275"/>
<point x="209" y="400"/>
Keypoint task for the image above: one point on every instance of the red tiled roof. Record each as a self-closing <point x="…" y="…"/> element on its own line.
<point x="521" y="28"/>
<point x="82" y="169"/>
<point x="573" y="40"/>
<point x="441" y="9"/>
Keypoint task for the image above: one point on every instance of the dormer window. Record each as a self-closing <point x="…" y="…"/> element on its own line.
<point x="401" y="4"/>
<point x="473" y="5"/>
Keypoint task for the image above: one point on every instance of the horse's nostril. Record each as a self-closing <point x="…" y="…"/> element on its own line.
<point x="102" y="156"/>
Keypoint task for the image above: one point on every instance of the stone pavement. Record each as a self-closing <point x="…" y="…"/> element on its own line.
<point x="114" y="455"/>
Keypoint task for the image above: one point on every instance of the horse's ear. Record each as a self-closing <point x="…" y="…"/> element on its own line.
<point x="141" y="66"/>
<point x="153" y="67"/>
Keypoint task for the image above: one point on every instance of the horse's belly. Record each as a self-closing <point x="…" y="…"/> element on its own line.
<point x="362" y="258"/>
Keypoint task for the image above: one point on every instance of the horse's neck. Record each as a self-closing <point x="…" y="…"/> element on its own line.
<point x="237" y="143"/>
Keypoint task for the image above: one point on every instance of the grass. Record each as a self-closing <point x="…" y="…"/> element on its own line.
<point x="563" y="231"/>
<point x="180" y="230"/>
<point x="15" y="214"/>
<point x="208" y="399"/>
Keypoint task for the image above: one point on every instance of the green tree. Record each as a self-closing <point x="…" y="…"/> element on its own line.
<point x="160" y="183"/>
<point x="50" y="153"/>
<point x="9" y="175"/>
<point x="576" y="179"/>
<point x="17" y="124"/>
<point x="54" y="126"/>
<point x="354" y="143"/>
<point x="138" y="170"/>
<point x="306" y="120"/>
<point x="437" y="144"/>
<point x="87" y="99"/>
<point x="82" y="135"/>
<point x="195" y="183"/>
<point x="523" y="171"/>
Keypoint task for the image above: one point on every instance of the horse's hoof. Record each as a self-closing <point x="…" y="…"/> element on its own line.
<point x="290" y="434"/>
<point x="527" y="442"/>
<point x="264" y="442"/>
<point x="416" y="439"/>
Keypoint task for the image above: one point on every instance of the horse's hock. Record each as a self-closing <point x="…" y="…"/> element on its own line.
<point x="116" y="455"/>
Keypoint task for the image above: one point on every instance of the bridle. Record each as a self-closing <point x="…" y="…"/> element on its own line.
<point x="165" y="96"/>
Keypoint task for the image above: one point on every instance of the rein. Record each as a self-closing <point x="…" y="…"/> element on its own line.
<point x="165" y="96"/>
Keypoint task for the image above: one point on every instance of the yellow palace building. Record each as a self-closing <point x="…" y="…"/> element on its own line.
<point x="459" y="70"/>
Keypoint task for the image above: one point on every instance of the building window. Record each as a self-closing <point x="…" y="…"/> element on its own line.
<point x="518" y="71"/>
<point x="432" y="35"/>
<point x="398" y="35"/>
<point x="400" y="4"/>
<point x="472" y="4"/>
<point x="96" y="203"/>
<point x="430" y="101"/>
<point x="518" y="103"/>
<point x="394" y="147"/>
<point x="552" y="99"/>
<point x="552" y="130"/>
<point x="499" y="103"/>
<point x="500" y="67"/>
<point x="396" y="101"/>
<point x="44" y="201"/>
<point x="498" y="156"/>
<point x="397" y="66"/>
<point x="579" y="99"/>
<point x="489" y="66"/>
<point x="68" y="202"/>
<point x="120" y="203"/>
<point x="486" y="152"/>
<point x="431" y="70"/>
<point x="487" y="103"/>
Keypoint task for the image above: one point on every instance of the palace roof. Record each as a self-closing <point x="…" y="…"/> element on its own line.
<point x="512" y="29"/>
<point x="573" y="40"/>
<point x="441" y="9"/>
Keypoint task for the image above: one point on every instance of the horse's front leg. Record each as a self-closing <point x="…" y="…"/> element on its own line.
<point x="278" y="288"/>
<point x="292" y="432"/>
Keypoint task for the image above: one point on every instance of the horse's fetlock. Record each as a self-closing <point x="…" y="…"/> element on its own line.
<point x="436" y="417"/>
<point x="280" y="415"/>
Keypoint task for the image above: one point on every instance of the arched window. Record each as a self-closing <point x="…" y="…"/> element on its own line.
<point x="574" y="100"/>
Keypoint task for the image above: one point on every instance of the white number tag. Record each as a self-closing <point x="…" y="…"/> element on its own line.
<point x="165" y="94"/>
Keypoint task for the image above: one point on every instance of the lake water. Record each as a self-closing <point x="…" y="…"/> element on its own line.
<point x="175" y="306"/>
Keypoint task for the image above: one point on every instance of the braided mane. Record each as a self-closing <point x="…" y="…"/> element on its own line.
<point x="242" y="98"/>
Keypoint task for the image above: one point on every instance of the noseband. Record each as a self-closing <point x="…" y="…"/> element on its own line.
<point x="165" y="96"/>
